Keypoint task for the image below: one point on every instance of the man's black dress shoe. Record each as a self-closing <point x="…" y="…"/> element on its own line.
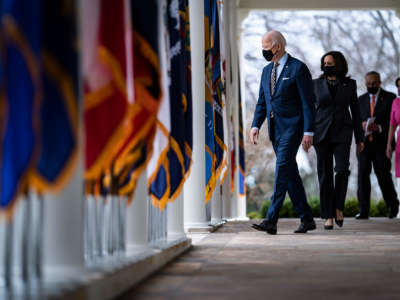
<point x="306" y="226"/>
<point x="393" y="211"/>
<point x="361" y="217"/>
<point x="328" y="227"/>
<point x="266" y="226"/>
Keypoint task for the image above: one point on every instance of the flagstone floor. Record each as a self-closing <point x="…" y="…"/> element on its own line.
<point x="359" y="261"/>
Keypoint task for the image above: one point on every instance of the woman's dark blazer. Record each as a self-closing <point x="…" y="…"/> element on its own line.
<point x="335" y="112"/>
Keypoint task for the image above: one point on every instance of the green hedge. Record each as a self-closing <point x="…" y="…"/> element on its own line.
<point x="378" y="209"/>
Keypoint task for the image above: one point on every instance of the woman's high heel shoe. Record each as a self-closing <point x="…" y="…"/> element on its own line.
<point x="339" y="222"/>
<point x="328" y="227"/>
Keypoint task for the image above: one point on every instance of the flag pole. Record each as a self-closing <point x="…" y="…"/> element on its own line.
<point x="27" y="209"/>
<point x="86" y="230"/>
<point x="100" y="218"/>
<point x="8" y="256"/>
<point x="94" y="221"/>
<point x="115" y="206"/>
<point x="122" y="223"/>
<point x="38" y="248"/>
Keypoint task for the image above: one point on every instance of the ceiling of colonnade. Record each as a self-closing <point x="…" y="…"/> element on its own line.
<point x="319" y="4"/>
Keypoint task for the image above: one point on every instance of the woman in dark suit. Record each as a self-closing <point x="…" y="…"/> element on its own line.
<point x="334" y="126"/>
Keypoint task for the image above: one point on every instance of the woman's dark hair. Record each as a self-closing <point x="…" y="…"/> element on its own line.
<point x="397" y="81"/>
<point x="340" y="63"/>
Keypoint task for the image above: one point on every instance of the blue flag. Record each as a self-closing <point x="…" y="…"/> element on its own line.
<point x="209" y="103"/>
<point x="215" y="146"/>
<point x="217" y="90"/>
<point x="178" y="96"/>
<point x="242" y="166"/>
<point x="187" y="87"/>
<point x="59" y="109"/>
<point x="20" y="95"/>
<point x="174" y="164"/>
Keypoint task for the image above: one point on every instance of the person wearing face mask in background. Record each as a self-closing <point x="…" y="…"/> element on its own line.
<point x="334" y="126"/>
<point x="375" y="105"/>
<point x="286" y="100"/>
<point x="394" y="122"/>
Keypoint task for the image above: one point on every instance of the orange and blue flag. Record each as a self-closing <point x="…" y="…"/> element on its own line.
<point x="209" y="104"/>
<point x="59" y="107"/>
<point x="187" y="88"/>
<point x="138" y="146"/>
<point x="217" y="92"/>
<point x="242" y="166"/>
<point x="215" y="147"/>
<point x="175" y="157"/>
<point x="20" y="95"/>
<point x="179" y="110"/>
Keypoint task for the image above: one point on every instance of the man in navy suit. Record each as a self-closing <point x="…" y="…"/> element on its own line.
<point x="287" y="100"/>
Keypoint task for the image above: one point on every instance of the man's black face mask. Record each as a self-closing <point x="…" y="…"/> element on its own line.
<point x="373" y="90"/>
<point x="268" y="55"/>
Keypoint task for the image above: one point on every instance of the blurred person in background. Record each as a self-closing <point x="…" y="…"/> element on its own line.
<point x="375" y="109"/>
<point x="394" y="122"/>
<point x="334" y="126"/>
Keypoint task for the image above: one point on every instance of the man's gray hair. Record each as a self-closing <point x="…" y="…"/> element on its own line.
<point x="277" y="38"/>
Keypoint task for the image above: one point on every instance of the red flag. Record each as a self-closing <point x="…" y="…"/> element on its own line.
<point x="137" y="148"/>
<point x="104" y="76"/>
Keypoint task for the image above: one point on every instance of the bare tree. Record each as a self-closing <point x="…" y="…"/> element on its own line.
<point x="368" y="39"/>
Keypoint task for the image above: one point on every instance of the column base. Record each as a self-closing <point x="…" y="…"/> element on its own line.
<point x="198" y="228"/>
<point x="239" y="219"/>
<point x="217" y="223"/>
<point x="107" y="280"/>
<point x="242" y="219"/>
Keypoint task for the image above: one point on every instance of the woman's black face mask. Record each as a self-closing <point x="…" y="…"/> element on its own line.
<point x="329" y="70"/>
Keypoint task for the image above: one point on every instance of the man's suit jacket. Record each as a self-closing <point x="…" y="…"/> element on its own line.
<point x="292" y="103"/>
<point x="381" y="112"/>
<point x="333" y="116"/>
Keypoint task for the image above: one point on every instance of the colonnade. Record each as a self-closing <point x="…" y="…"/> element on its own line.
<point x="145" y="228"/>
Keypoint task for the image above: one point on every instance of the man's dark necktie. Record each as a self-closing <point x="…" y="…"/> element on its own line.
<point x="273" y="78"/>
<point x="273" y="82"/>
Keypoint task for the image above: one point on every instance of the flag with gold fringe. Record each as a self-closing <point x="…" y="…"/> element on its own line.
<point x="225" y="167"/>
<point x="180" y="107"/>
<point x="20" y="96"/>
<point x="233" y="154"/>
<point x="137" y="148"/>
<point x="215" y="147"/>
<point x="242" y="167"/>
<point x="217" y="93"/>
<point x="209" y="105"/>
<point x="59" y="107"/>
<point x="187" y="88"/>
<point x="158" y="166"/>
<point x="174" y="160"/>
<point x="104" y="81"/>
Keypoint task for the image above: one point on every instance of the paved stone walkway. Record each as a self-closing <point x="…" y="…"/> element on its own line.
<point x="359" y="261"/>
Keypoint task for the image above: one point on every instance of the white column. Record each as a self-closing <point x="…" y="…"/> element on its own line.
<point x="242" y="205"/>
<point x="63" y="248"/>
<point x="194" y="189"/>
<point x="137" y="215"/>
<point x="216" y="205"/>
<point x="175" y="218"/>
<point x="234" y="62"/>
<point x="226" y="187"/>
